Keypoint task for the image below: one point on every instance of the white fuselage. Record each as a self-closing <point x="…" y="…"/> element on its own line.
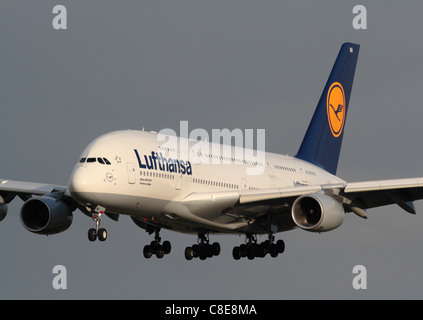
<point x="131" y="172"/>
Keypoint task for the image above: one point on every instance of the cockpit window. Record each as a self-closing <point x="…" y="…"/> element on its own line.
<point x="91" y="160"/>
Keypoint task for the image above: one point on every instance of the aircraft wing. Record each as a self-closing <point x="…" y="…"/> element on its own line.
<point x="9" y="189"/>
<point x="231" y="206"/>
<point x="28" y="188"/>
<point x="370" y="194"/>
<point x="234" y="206"/>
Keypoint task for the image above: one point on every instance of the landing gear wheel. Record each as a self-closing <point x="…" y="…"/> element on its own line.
<point x="155" y="247"/>
<point x="203" y="249"/>
<point x="102" y="234"/>
<point x="97" y="232"/>
<point x="167" y="247"/>
<point x="195" y="249"/>
<point x="251" y="249"/>
<point x="273" y="251"/>
<point x="92" y="234"/>
<point x="236" y="253"/>
<point x="280" y="246"/>
<point x="251" y="252"/>
<point x="203" y="253"/>
<point x="216" y="248"/>
<point x="189" y="253"/>
<point x="159" y="251"/>
<point x="147" y="252"/>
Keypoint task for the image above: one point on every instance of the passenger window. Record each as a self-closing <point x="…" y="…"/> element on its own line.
<point x="91" y="160"/>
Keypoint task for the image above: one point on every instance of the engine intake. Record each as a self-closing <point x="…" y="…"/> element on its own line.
<point x="45" y="215"/>
<point x="317" y="213"/>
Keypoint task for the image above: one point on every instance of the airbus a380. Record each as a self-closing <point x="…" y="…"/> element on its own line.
<point x="134" y="173"/>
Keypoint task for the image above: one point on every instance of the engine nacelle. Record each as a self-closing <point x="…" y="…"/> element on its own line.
<point x="45" y="215"/>
<point x="3" y="211"/>
<point x="317" y="213"/>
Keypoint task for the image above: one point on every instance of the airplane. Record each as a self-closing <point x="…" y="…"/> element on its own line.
<point x="131" y="172"/>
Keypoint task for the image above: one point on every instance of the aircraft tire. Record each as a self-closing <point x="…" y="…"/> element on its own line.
<point x="102" y="234"/>
<point x="92" y="234"/>
<point x="189" y="253"/>
<point x="160" y="252"/>
<point x="273" y="251"/>
<point x="147" y="252"/>
<point x="216" y="248"/>
<point x="280" y="245"/>
<point x="167" y="247"/>
<point x="236" y="254"/>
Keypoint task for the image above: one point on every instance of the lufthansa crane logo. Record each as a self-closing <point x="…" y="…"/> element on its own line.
<point x="335" y="104"/>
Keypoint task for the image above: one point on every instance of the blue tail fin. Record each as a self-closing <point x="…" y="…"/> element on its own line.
<point x="322" y="143"/>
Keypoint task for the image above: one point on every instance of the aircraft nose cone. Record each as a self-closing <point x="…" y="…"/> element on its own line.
<point x="76" y="181"/>
<point x="79" y="185"/>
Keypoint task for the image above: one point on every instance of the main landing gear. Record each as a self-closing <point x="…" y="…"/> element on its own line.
<point x="251" y="249"/>
<point x="156" y="248"/>
<point x="203" y="249"/>
<point x="98" y="232"/>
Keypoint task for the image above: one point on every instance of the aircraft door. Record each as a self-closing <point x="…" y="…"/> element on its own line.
<point x="131" y="172"/>
<point x="272" y="177"/>
<point x="178" y="181"/>
<point x="244" y="184"/>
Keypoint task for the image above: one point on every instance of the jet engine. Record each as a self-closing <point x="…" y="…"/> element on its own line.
<point x="45" y="215"/>
<point x="3" y="211"/>
<point x="5" y="198"/>
<point x="317" y="213"/>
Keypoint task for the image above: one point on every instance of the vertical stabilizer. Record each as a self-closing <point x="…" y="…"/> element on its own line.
<point x="322" y="142"/>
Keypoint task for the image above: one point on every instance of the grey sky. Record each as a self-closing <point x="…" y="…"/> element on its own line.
<point x="218" y="64"/>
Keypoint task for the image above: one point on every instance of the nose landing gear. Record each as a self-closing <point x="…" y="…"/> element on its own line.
<point x="98" y="232"/>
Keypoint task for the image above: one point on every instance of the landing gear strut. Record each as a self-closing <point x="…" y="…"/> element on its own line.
<point x="156" y="248"/>
<point x="251" y="249"/>
<point x="203" y="249"/>
<point x="98" y="232"/>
